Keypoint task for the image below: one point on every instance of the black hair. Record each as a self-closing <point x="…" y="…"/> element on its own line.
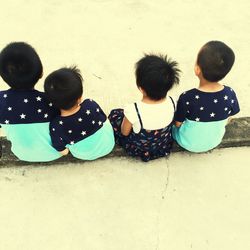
<point x="63" y="87"/>
<point x="215" y="60"/>
<point x="156" y="75"/>
<point x="20" y="65"/>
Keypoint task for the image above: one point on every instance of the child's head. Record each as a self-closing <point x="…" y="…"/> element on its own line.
<point x="215" y="60"/>
<point x="156" y="75"/>
<point x="20" y="65"/>
<point x="64" y="87"/>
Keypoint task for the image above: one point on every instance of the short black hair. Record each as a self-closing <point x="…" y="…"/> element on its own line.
<point x="20" y="65"/>
<point x="63" y="87"/>
<point x="215" y="60"/>
<point x="156" y="75"/>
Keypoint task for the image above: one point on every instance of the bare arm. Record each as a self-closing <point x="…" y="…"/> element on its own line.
<point x="64" y="152"/>
<point x="126" y="126"/>
<point x="178" y="124"/>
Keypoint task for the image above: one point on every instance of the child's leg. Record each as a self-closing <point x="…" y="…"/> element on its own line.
<point x="116" y="117"/>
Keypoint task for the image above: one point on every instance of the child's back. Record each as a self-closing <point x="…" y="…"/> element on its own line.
<point x="143" y="128"/>
<point x="82" y="127"/>
<point x="203" y="113"/>
<point x="24" y="112"/>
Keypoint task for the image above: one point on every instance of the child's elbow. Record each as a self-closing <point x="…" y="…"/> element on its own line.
<point x="177" y="124"/>
<point x="125" y="133"/>
<point x="65" y="151"/>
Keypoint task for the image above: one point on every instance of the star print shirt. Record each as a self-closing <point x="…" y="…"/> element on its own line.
<point x="204" y="116"/>
<point x="25" y="117"/>
<point x="87" y="133"/>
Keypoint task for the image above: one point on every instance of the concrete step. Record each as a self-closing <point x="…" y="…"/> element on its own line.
<point x="237" y="135"/>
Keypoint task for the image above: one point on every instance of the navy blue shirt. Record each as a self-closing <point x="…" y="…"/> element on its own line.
<point x="200" y="106"/>
<point x="25" y="107"/>
<point x="74" y="128"/>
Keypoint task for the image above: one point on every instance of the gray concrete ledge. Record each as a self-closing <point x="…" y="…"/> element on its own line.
<point x="237" y="135"/>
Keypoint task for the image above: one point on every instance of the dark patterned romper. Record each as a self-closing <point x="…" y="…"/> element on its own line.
<point x="147" y="144"/>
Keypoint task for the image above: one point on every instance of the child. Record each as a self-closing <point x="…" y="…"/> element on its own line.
<point x="144" y="128"/>
<point x="25" y="112"/>
<point x="202" y="113"/>
<point x="82" y="127"/>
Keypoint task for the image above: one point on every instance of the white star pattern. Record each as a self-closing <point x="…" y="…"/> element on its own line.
<point x="70" y="131"/>
<point x="229" y="112"/>
<point x="100" y="123"/>
<point x="9" y="108"/>
<point x="50" y="104"/>
<point x="39" y="111"/>
<point x="25" y="100"/>
<point x="7" y="121"/>
<point x="226" y="108"/>
<point x="72" y="142"/>
<point x="61" y="122"/>
<point x="215" y="100"/>
<point x="88" y="112"/>
<point x="53" y="129"/>
<point x="197" y="119"/>
<point x="197" y="97"/>
<point x="232" y="101"/>
<point x="97" y="110"/>
<point x="22" y="116"/>
<point x="5" y="96"/>
<point x="93" y="122"/>
<point x="201" y="108"/>
<point x="83" y="133"/>
<point x="80" y="119"/>
<point x="212" y="114"/>
<point x="188" y="111"/>
<point x="46" y="115"/>
<point x="225" y="97"/>
<point x="187" y="103"/>
<point x="38" y="98"/>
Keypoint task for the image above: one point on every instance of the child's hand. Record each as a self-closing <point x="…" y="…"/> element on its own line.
<point x="65" y="151"/>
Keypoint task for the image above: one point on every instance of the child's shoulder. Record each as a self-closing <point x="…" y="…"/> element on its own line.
<point x="3" y="94"/>
<point x="188" y="93"/>
<point x="11" y="93"/>
<point x="229" y="89"/>
<point x="90" y="104"/>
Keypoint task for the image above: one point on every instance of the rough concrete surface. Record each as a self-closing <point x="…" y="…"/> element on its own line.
<point x="188" y="201"/>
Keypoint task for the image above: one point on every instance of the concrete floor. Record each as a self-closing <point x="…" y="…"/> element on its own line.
<point x="185" y="202"/>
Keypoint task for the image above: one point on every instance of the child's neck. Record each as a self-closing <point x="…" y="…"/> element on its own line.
<point x="207" y="86"/>
<point x="147" y="100"/>
<point x="70" y="111"/>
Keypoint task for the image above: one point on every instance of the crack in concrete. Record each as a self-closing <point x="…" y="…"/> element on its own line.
<point x="163" y="195"/>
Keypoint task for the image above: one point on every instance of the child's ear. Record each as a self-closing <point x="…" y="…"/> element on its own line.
<point x="141" y="90"/>
<point x="80" y="100"/>
<point x="197" y="70"/>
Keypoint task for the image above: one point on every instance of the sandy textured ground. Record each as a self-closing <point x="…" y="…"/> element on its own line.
<point x="187" y="202"/>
